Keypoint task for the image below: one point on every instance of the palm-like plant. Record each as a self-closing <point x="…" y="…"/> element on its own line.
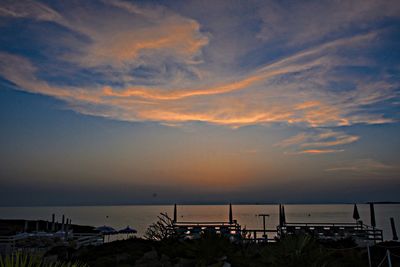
<point x="19" y="259"/>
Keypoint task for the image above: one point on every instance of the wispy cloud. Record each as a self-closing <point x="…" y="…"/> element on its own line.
<point x="312" y="142"/>
<point x="29" y="9"/>
<point x="316" y="20"/>
<point x="364" y="166"/>
<point x="315" y="151"/>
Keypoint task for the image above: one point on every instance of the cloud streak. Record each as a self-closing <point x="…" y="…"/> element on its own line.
<point x="364" y="166"/>
<point x="320" y="141"/>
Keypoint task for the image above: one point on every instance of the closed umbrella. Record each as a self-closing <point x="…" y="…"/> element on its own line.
<point x="175" y="214"/>
<point x="372" y="211"/>
<point x="356" y="215"/>
<point x="230" y="213"/>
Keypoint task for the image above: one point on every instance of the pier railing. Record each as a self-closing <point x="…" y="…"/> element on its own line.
<point x="332" y="230"/>
<point x="196" y="229"/>
<point x="259" y="235"/>
<point x="12" y="242"/>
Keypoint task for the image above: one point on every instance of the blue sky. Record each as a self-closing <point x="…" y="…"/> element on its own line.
<point x="251" y="101"/>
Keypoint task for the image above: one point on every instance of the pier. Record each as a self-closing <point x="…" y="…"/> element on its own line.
<point x="363" y="234"/>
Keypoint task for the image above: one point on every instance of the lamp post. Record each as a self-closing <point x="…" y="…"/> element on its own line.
<point x="263" y="216"/>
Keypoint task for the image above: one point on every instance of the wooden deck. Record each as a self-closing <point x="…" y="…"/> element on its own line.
<point x="328" y="231"/>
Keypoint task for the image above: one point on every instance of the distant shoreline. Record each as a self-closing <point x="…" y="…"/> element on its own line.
<point x="200" y="204"/>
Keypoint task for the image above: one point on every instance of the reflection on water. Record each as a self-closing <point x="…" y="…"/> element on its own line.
<point x="140" y="216"/>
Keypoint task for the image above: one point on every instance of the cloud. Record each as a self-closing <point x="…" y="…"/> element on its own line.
<point x="298" y="22"/>
<point x="315" y="140"/>
<point x="29" y="9"/>
<point x="364" y="166"/>
<point x="315" y="151"/>
<point x="151" y="67"/>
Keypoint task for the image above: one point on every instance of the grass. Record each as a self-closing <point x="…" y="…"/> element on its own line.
<point x="20" y="259"/>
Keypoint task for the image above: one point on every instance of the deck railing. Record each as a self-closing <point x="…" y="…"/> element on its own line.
<point x="333" y="230"/>
<point x="10" y="243"/>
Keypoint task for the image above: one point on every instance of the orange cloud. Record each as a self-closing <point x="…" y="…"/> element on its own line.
<point x="318" y="151"/>
<point x="126" y="45"/>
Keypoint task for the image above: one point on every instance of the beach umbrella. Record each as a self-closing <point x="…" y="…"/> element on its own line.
<point x="395" y="237"/>
<point x="372" y="212"/>
<point x="175" y="213"/>
<point x="230" y="213"/>
<point x="106" y="230"/>
<point x="127" y="230"/>
<point x="356" y="215"/>
<point x="280" y="221"/>
<point x="283" y="215"/>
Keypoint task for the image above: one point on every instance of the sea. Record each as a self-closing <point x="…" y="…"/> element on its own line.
<point x="140" y="217"/>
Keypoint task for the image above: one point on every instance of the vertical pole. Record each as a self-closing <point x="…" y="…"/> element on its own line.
<point x="369" y="256"/>
<point x="37" y="226"/>
<point x="280" y="220"/>
<point x="175" y="213"/>
<point x="373" y="221"/>
<point x="66" y="229"/>
<point x="255" y="236"/>
<point x="389" y="259"/>
<point x="53" y="226"/>
<point x="26" y="226"/>
<point x="395" y="237"/>
<point x="63" y="223"/>
<point x="230" y="213"/>
<point x="264" y="224"/>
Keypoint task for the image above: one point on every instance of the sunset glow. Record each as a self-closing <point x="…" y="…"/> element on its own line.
<point x="140" y="102"/>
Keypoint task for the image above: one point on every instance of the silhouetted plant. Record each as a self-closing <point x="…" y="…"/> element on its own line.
<point x="160" y="230"/>
<point x="19" y="259"/>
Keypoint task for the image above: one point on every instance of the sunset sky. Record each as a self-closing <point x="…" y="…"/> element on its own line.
<point x="124" y="102"/>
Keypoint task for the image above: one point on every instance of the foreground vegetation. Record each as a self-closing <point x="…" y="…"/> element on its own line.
<point x="20" y="259"/>
<point x="210" y="250"/>
<point x="217" y="251"/>
<point x="165" y="249"/>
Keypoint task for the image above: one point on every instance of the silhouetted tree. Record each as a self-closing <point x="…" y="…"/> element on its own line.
<point x="160" y="230"/>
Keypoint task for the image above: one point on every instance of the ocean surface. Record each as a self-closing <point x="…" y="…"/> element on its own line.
<point x="140" y="216"/>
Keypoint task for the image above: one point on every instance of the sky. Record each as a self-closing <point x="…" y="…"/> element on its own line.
<point x="129" y="102"/>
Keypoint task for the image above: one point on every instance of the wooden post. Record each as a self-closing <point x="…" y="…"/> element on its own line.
<point x="395" y="237"/>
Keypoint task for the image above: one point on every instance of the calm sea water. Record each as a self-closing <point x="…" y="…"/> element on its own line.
<point x="140" y="216"/>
